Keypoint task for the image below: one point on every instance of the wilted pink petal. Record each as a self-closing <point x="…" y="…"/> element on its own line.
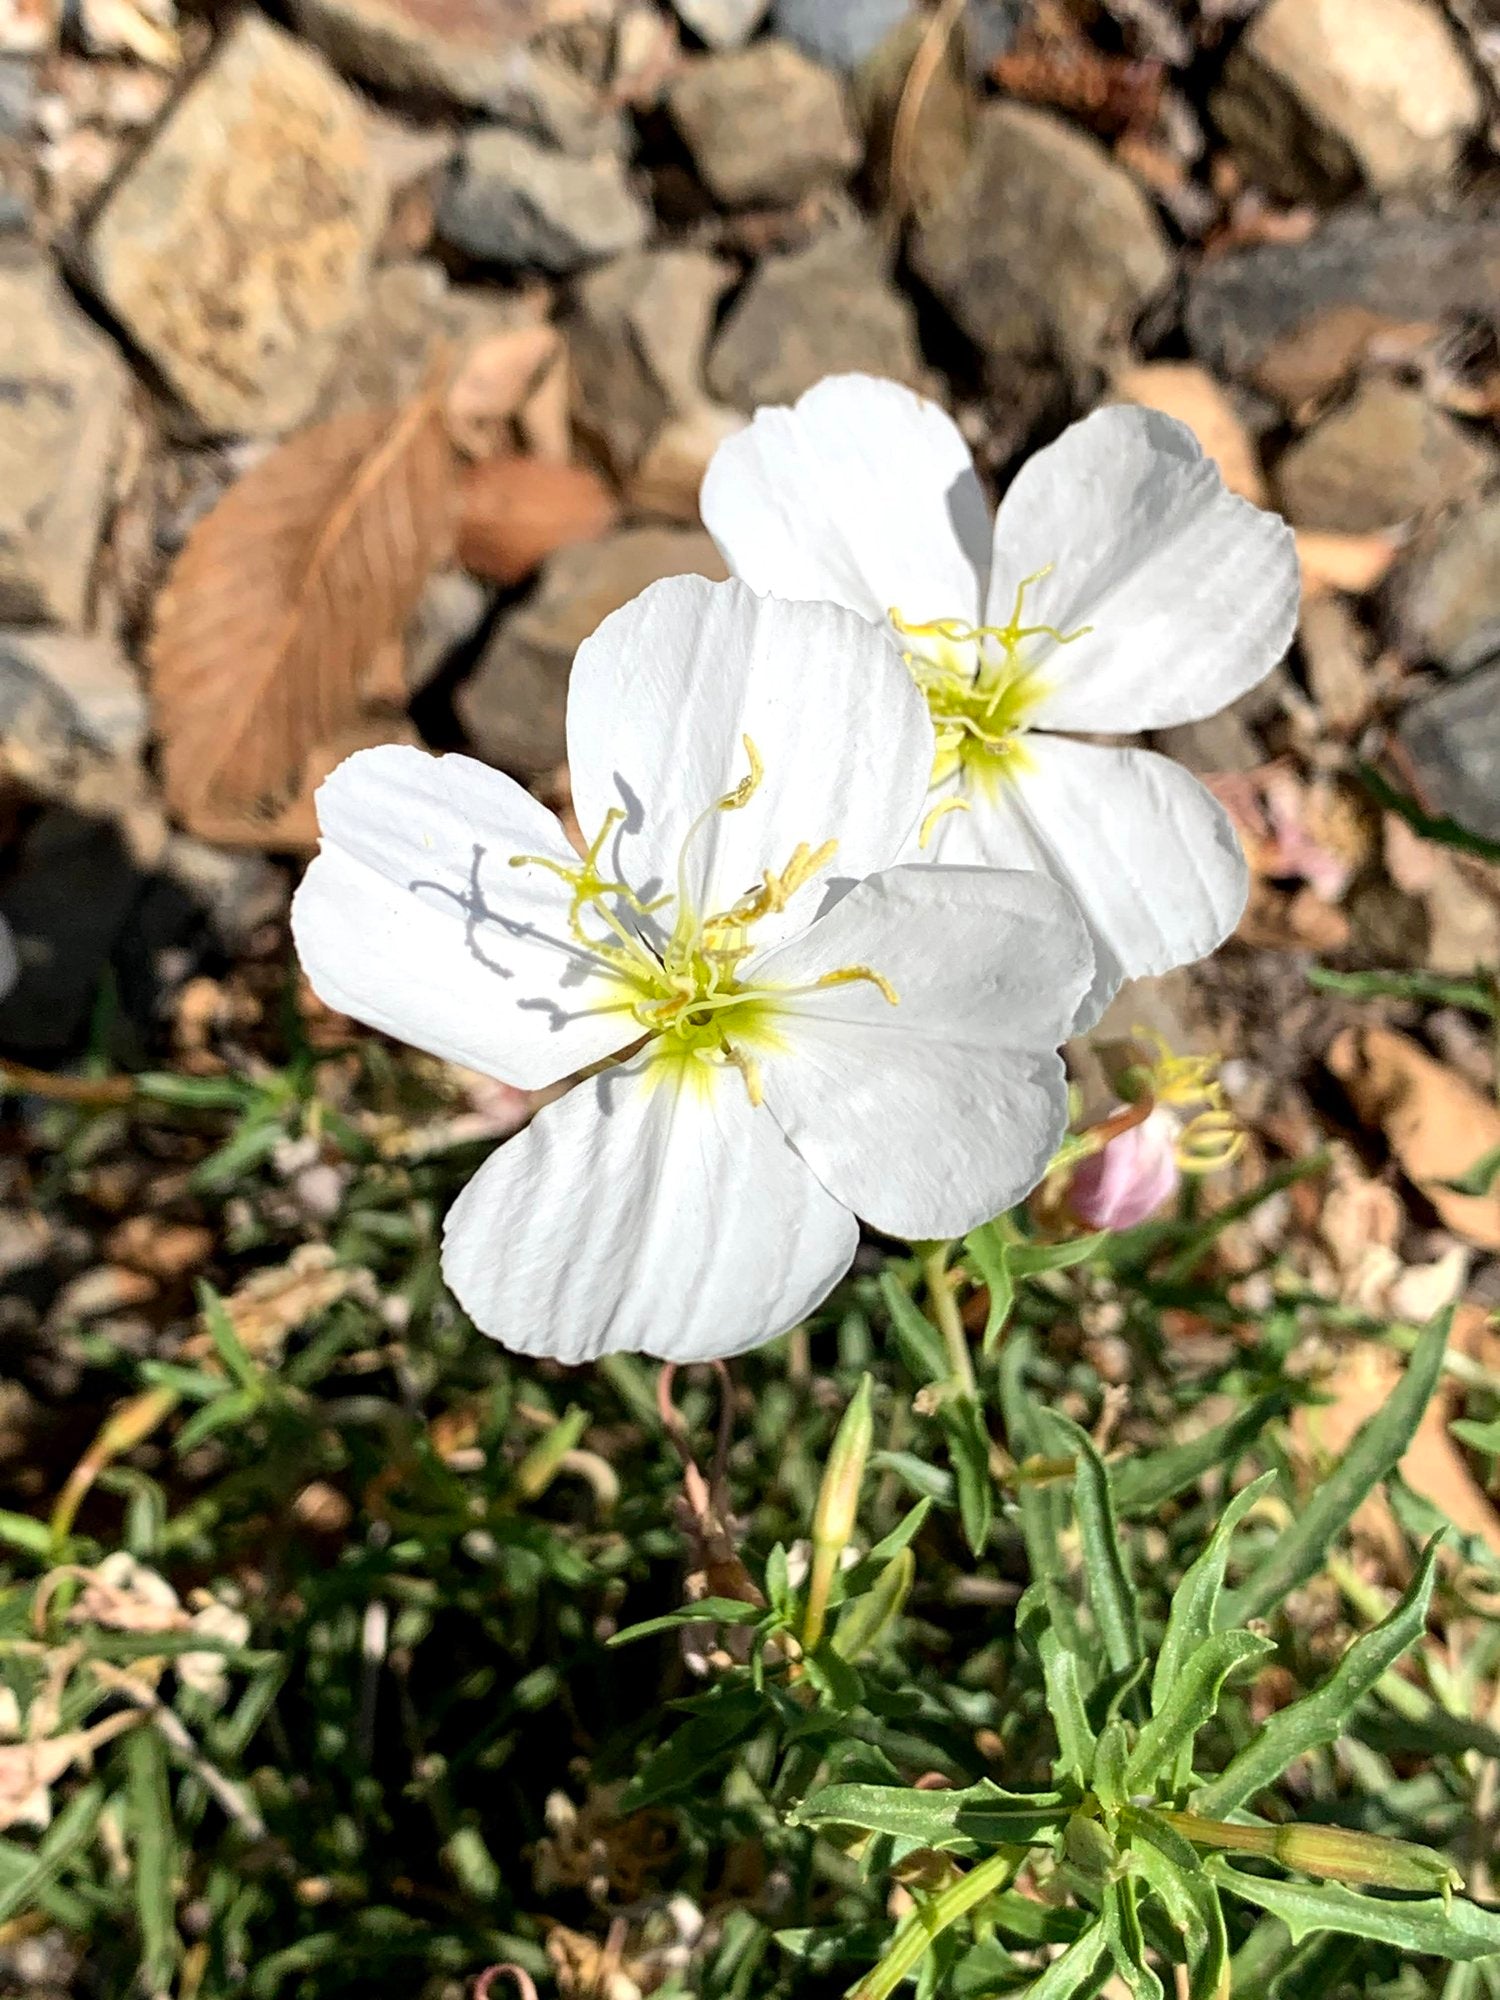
<point x="1130" y="1178"/>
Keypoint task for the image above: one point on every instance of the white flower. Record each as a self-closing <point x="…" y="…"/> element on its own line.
<point x="1126" y="589"/>
<point x="803" y="1032"/>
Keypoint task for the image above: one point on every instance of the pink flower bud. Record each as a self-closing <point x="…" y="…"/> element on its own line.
<point x="1130" y="1178"/>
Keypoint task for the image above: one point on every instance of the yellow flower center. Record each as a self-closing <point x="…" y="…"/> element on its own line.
<point x="1209" y="1136"/>
<point x="980" y="685"/>
<point x="684" y="988"/>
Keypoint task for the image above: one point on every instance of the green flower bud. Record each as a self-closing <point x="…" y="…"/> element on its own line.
<point x="837" y="1511"/>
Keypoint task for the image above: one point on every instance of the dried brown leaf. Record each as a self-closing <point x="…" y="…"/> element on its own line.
<point x="1435" y="1123"/>
<point x="516" y="511"/>
<point x="1352" y="563"/>
<point x="281" y="611"/>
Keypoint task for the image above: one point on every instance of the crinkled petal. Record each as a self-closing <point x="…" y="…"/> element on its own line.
<point x="412" y="920"/>
<point x="651" y="1210"/>
<point x="1190" y="592"/>
<point x="1150" y="854"/>
<point x="930" y="1116"/>
<point x="663" y="697"/>
<point x="861" y="493"/>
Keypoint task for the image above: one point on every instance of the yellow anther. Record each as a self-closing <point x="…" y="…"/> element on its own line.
<point x="1209" y="1142"/>
<point x="849" y="975"/>
<point x="939" y="811"/>
<point x="746" y="789"/>
<point x="749" y="1069"/>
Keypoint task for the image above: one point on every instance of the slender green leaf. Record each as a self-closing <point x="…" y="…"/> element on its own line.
<point x="1377" y="1449"/>
<point x="720" y="1721"/>
<point x="1434" y="1926"/>
<point x="1194" y="1615"/>
<point x="1189" y="1702"/>
<point x="969" y="1448"/>
<point x="1111" y="1591"/>
<point x="72" y="1828"/>
<point x="1432" y="826"/>
<point x="1480" y="1178"/>
<point x="980" y="1815"/>
<point x="920" y="1343"/>
<point x="1121" y="1919"/>
<point x="1478" y="996"/>
<point x="1143" y="1485"/>
<point x="1075" y="1738"/>
<point x="707" y="1611"/>
<point x="1175" y="1875"/>
<point x="1083" y="1968"/>
<point x="155" y="1857"/>
<point x="1320" y="1717"/>
<point x="989" y="1253"/>
<point x="863" y="1573"/>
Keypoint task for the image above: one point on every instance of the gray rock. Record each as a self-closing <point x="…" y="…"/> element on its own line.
<point x="1044" y="248"/>
<point x="62" y="400"/>
<point x="840" y="33"/>
<point x="1382" y="457"/>
<point x="763" y="124"/>
<point x="1442" y="602"/>
<point x="448" y="615"/>
<point x="825" y="310"/>
<point x="64" y="697"/>
<point x="237" y="892"/>
<point x="238" y="243"/>
<point x="722" y="24"/>
<point x="68" y="895"/>
<point x="525" y="205"/>
<point x="473" y="53"/>
<point x="412" y="312"/>
<point x="17" y="97"/>
<point x="513" y="704"/>
<point x="1293" y="317"/>
<point x="1321" y="95"/>
<point x="1453" y="738"/>
<point x="636" y="339"/>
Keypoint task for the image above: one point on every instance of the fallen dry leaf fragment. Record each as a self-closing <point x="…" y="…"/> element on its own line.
<point x="1182" y="390"/>
<point x="273" y="636"/>
<point x="1436" y="1124"/>
<point x="492" y="384"/>
<point x="1351" y="563"/>
<point x="516" y="511"/>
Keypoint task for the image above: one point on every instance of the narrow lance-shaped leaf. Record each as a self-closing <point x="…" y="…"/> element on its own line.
<point x="1195" y="1603"/>
<point x="1127" y="1945"/>
<point x="1175" y="1875"/>
<point x="1078" y="1974"/>
<point x="980" y="1815"/>
<point x="1111" y="1591"/>
<point x="1043" y="1509"/>
<point x="1321" y="1716"/>
<point x="1188" y="1703"/>
<point x="1434" y="1926"/>
<point x="1075" y="1739"/>
<point x="1376" y="1450"/>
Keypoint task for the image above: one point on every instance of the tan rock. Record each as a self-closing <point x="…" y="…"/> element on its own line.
<point x="62" y="401"/>
<point x="237" y="245"/>
<point x="1179" y="389"/>
<point x="1321" y="95"/>
<point x="513" y="704"/>
<point x="1384" y="456"/>
<point x="668" y="478"/>
<point x="763" y="124"/>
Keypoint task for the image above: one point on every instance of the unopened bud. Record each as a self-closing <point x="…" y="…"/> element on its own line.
<point x="837" y="1511"/>
<point x="862" y="1623"/>
<point x="1340" y="1855"/>
<point x="1129" y="1178"/>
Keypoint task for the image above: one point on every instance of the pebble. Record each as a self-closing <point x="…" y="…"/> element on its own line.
<point x="1320" y="96"/>
<point x="668" y="478"/>
<point x="1044" y="246"/>
<point x="1294" y="319"/>
<point x="518" y="203"/>
<point x="763" y="124"/>
<point x="512" y="706"/>
<point x="1442" y="601"/>
<point x="1335" y="658"/>
<point x="840" y="33"/>
<point x="63" y="387"/>
<point x="1384" y="456"/>
<point x="237" y="245"/>
<point x="65" y="698"/>
<point x="824" y="310"/>
<point x="448" y="615"/>
<point x="1453" y="739"/>
<point x="636" y="339"/>
<point x="721" y="24"/>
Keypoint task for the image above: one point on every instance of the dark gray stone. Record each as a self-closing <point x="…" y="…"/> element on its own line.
<point x="522" y="204"/>
<point x="1453" y="737"/>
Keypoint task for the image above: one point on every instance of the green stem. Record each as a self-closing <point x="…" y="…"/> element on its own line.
<point x="914" y="1937"/>
<point x="946" y="1316"/>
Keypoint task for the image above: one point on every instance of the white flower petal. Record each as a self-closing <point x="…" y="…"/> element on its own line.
<point x="930" y="1116"/>
<point x="650" y="1212"/>
<point x="412" y="920"/>
<point x="1150" y="854"/>
<point x="1189" y="591"/>
<point x="862" y="493"/>
<point x="663" y="697"/>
